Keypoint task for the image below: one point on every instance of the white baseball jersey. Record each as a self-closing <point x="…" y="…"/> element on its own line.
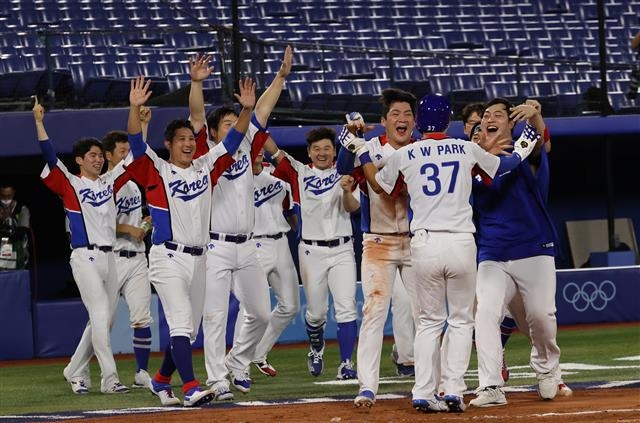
<point x="390" y="213"/>
<point x="438" y="177"/>
<point x="234" y="188"/>
<point x="179" y="199"/>
<point x="271" y="197"/>
<point x="88" y="204"/>
<point x="319" y="194"/>
<point x="129" y="212"/>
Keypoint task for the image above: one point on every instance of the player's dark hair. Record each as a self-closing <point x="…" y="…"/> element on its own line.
<point x="214" y="118"/>
<point x="393" y="95"/>
<point x="109" y="141"/>
<point x="470" y="109"/>
<point x="173" y="126"/>
<point x="499" y="100"/>
<point x="321" y="133"/>
<point x="83" y="145"/>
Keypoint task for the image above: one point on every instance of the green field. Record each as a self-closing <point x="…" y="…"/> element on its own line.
<point x="589" y="354"/>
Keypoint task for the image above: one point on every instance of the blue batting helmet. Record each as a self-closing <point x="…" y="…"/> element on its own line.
<point x="434" y="114"/>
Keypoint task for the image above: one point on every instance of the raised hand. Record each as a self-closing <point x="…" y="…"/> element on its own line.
<point x="38" y="110"/>
<point x="285" y="67"/>
<point x="145" y="114"/>
<point x="199" y="68"/>
<point x="139" y="93"/>
<point x="346" y="183"/>
<point x="247" y="96"/>
<point x="523" y="112"/>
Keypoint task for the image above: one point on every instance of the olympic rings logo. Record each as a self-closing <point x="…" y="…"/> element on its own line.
<point x="589" y="294"/>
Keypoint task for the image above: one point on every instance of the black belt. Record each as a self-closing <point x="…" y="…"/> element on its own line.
<point x="276" y="236"/>
<point x="127" y="254"/>
<point x="331" y="243"/>
<point x="194" y="251"/>
<point x="390" y="234"/>
<point x="237" y="239"/>
<point x="104" y="248"/>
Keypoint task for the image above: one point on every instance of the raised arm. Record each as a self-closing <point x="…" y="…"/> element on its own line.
<point x="269" y="98"/>
<point x="272" y="153"/>
<point x="349" y="203"/>
<point x="145" y="118"/>
<point x="46" y="146"/>
<point x="247" y="98"/>
<point x="199" y="70"/>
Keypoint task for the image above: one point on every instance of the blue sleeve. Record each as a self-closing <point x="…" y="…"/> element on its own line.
<point x="232" y="141"/>
<point x="49" y="153"/>
<point x="254" y="120"/>
<point x="508" y="163"/>
<point x="137" y="145"/>
<point x="345" y="161"/>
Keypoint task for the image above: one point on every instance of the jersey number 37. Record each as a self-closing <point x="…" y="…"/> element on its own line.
<point x="433" y="174"/>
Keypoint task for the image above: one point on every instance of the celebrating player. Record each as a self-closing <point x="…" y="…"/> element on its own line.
<point x="272" y="201"/>
<point x="179" y="203"/>
<point x="231" y="255"/>
<point x="519" y="253"/>
<point x="437" y="173"/>
<point x="327" y="260"/>
<point x="385" y="244"/>
<point x="89" y="205"/>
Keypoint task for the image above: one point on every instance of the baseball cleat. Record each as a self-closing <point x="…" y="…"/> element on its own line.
<point x="505" y="370"/>
<point x="434" y="405"/>
<point x="141" y="379"/>
<point x="197" y="396"/>
<point x="242" y="381"/>
<point x="115" y="388"/>
<point x="547" y="385"/>
<point x="405" y="370"/>
<point x="455" y="403"/>
<point x="221" y="391"/>
<point x="164" y="392"/>
<point x="365" y="398"/>
<point x="266" y="369"/>
<point x="78" y="385"/>
<point x="346" y="371"/>
<point x="490" y="396"/>
<point x="315" y="362"/>
<point x="564" y="390"/>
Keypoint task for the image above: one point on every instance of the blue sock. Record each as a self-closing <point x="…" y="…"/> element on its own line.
<point x="181" y="352"/>
<point x="347" y="332"/>
<point x="507" y="327"/>
<point x="316" y="335"/>
<point x="168" y="366"/>
<point x="142" y="347"/>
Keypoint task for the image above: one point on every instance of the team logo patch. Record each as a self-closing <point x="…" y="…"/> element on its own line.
<point x="92" y="259"/>
<point x="377" y="240"/>
<point x="307" y="252"/>
<point x="189" y="190"/>
<point x="258" y="244"/>
<point x="264" y="194"/>
<point x="170" y="255"/>
<point x="237" y="169"/>
<point x="378" y="156"/>
<point x="211" y="245"/>
<point x="127" y="205"/>
<point x="96" y="199"/>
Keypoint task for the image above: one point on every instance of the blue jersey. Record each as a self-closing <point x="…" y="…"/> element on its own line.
<point x="511" y="217"/>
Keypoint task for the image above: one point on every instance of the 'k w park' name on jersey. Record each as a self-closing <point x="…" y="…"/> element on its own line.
<point x="438" y="177"/>
<point x="270" y="197"/>
<point x="319" y="194"/>
<point x="89" y="205"/>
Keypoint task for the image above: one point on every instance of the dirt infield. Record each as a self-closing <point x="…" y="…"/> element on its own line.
<point x="599" y="405"/>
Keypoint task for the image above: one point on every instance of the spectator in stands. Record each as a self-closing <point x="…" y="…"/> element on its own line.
<point x="471" y="114"/>
<point x="14" y="225"/>
<point x="634" y="78"/>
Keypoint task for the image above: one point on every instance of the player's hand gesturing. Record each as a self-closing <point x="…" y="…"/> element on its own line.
<point x="522" y="112"/>
<point x="346" y="183"/>
<point x="38" y="110"/>
<point x="247" y="96"/>
<point x="199" y="68"/>
<point x="139" y="93"/>
<point x="285" y="68"/>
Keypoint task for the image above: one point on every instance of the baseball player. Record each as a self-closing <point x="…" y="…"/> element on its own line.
<point x="272" y="201"/>
<point x="231" y="255"/>
<point x="179" y="203"/>
<point x="385" y="240"/>
<point x="325" y="251"/>
<point x="437" y="172"/>
<point x="511" y="257"/>
<point x="89" y="205"/>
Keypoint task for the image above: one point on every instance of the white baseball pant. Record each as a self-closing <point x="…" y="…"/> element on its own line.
<point x="227" y="262"/>
<point x="445" y="266"/>
<point x="402" y="322"/>
<point x="382" y="257"/>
